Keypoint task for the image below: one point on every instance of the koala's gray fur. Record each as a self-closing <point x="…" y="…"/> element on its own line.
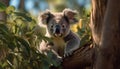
<point x="58" y="29"/>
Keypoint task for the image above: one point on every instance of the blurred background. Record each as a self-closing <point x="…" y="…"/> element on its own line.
<point x="36" y="6"/>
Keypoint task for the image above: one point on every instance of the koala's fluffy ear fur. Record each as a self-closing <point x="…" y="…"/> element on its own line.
<point x="70" y="14"/>
<point x="45" y="17"/>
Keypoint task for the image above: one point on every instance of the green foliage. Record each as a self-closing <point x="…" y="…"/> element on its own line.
<point x="21" y="39"/>
<point x="2" y="7"/>
<point x="10" y="9"/>
<point x="84" y="31"/>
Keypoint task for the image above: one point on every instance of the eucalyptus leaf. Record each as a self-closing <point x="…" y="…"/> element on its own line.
<point x="25" y="44"/>
<point x="26" y="17"/>
<point x="10" y="9"/>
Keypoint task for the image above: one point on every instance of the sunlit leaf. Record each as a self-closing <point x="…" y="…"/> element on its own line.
<point x="10" y="9"/>
<point x="74" y="27"/>
<point x="80" y="23"/>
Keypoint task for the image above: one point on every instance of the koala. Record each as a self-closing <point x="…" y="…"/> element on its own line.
<point x="58" y="29"/>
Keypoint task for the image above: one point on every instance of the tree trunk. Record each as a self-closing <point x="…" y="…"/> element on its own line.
<point x="108" y="57"/>
<point x="22" y="5"/>
<point x="97" y="16"/>
<point x="96" y="24"/>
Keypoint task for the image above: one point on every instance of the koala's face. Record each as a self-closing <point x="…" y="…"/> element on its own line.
<point x="58" y="24"/>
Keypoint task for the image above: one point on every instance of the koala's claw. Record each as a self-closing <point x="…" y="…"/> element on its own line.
<point x="67" y="54"/>
<point x="60" y="60"/>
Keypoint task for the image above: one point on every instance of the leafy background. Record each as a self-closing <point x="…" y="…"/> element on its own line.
<point x="20" y="36"/>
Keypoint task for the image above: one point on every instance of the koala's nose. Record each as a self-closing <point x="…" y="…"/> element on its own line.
<point x="57" y="30"/>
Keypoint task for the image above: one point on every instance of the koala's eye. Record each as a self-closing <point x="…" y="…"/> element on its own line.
<point x="51" y="26"/>
<point x="63" y="25"/>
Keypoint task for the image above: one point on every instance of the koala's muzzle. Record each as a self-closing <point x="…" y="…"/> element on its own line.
<point x="57" y="31"/>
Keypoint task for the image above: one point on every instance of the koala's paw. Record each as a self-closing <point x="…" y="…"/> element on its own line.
<point x="59" y="59"/>
<point x="68" y="53"/>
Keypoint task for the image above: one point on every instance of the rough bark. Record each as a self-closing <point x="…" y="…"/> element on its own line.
<point x="97" y="16"/>
<point x="96" y="23"/>
<point x="81" y="58"/>
<point x="109" y="50"/>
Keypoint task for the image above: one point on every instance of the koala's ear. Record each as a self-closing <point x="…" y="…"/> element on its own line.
<point x="70" y="14"/>
<point x="45" y="17"/>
